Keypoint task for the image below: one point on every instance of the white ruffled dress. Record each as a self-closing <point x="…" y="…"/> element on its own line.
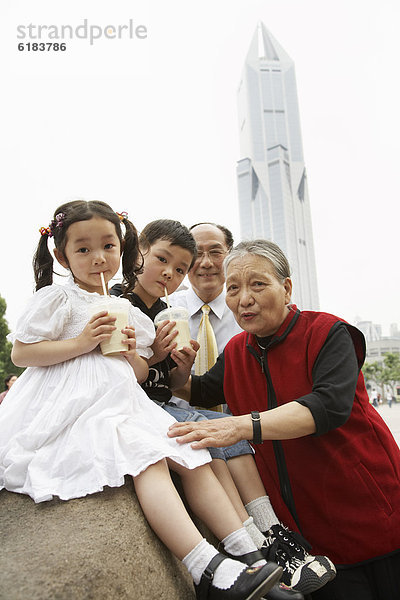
<point x="69" y="429"/>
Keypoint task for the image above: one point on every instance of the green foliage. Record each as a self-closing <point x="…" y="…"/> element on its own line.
<point x="6" y="365"/>
<point x="371" y="371"/>
<point x="384" y="373"/>
<point x="392" y="370"/>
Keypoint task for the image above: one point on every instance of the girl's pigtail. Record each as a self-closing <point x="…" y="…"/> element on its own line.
<point x="132" y="259"/>
<point x="43" y="261"/>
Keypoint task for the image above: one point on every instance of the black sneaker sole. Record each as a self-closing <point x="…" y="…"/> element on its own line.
<point x="328" y="564"/>
<point x="310" y="580"/>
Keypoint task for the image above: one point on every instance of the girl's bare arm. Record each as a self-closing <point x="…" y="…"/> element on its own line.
<point x="49" y="352"/>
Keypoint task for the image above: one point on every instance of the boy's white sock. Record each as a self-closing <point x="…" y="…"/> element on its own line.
<point x="262" y="512"/>
<point x="225" y="574"/>
<point x="255" y="534"/>
<point x="239" y="542"/>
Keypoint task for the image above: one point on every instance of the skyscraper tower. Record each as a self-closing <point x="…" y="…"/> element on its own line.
<point x="272" y="179"/>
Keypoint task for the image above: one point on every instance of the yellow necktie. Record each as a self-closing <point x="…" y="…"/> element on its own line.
<point x="208" y="352"/>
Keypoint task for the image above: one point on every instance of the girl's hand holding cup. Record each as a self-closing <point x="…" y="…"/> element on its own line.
<point x="99" y="329"/>
<point x="115" y="319"/>
<point x="137" y="362"/>
<point x="129" y="342"/>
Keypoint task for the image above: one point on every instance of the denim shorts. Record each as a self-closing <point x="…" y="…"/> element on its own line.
<point x="224" y="453"/>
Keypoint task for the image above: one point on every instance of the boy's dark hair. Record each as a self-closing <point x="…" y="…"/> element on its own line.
<point x="171" y="231"/>
<point x="227" y="234"/>
<point x="81" y="210"/>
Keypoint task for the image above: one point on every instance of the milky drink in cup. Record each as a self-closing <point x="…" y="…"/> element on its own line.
<point x="181" y="316"/>
<point x="119" y="308"/>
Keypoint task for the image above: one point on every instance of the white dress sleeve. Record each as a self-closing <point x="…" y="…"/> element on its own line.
<point x="144" y="331"/>
<point x="44" y="316"/>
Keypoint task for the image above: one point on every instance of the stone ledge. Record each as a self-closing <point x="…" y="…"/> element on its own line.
<point x="94" y="548"/>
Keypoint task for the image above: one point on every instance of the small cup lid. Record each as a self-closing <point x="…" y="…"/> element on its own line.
<point x="172" y="314"/>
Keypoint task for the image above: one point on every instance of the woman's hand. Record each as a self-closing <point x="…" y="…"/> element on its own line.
<point x="286" y="422"/>
<point x="214" y="433"/>
<point x="184" y="360"/>
<point x="164" y="341"/>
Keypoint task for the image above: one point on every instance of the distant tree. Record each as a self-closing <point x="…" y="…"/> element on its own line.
<point x="373" y="372"/>
<point x="6" y="365"/>
<point x="384" y="373"/>
<point x="392" y="370"/>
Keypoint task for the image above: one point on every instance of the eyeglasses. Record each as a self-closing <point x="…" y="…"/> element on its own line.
<point x="213" y="255"/>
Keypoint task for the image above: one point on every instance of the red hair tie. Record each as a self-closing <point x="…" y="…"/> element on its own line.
<point x="45" y="231"/>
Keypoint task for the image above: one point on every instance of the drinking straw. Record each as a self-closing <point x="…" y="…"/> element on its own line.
<point x="103" y="284"/>
<point x="166" y="297"/>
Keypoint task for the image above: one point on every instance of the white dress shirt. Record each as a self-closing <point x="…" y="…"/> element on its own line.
<point x="221" y="318"/>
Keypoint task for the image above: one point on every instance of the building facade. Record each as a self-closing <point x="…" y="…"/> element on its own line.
<point x="379" y="345"/>
<point x="272" y="179"/>
<point x="372" y="331"/>
<point x="377" y="349"/>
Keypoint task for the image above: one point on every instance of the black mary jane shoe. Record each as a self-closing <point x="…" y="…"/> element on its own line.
<point x="251" y="584"/>
<point x="278" y="592"/>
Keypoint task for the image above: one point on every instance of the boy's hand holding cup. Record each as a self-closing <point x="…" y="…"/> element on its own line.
<point x="181" y="317"/>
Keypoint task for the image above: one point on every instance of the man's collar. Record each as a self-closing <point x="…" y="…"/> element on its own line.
<point x="194" y="303"/>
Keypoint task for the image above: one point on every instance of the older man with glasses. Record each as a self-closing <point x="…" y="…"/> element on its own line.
<point x="207" y="281"/>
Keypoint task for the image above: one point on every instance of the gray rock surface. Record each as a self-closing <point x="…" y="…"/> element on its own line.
<point x="97" y="547"/>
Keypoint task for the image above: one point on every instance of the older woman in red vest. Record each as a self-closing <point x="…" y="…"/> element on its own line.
<point x="293" y="383"/>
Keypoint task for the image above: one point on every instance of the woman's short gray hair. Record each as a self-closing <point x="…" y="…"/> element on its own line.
<point x="264" y="248"/>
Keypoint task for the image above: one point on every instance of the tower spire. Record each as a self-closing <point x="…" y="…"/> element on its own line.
<point x="272" y="179"/>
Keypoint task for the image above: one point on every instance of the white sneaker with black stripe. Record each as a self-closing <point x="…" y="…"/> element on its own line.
<point x="302" y="571"/>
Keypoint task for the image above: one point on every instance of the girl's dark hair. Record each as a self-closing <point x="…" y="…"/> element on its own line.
<point x="7" y="379"/>
<point x="227" y="234"/>
<point x="171" y="231"/>
<point x="82" y="210"/>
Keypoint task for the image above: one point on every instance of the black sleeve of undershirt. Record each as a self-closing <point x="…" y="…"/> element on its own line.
<point x="208" y="390"/>
<point x="335" y="375"/>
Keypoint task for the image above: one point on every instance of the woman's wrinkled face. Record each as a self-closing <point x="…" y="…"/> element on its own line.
<point x="255" y="295"/>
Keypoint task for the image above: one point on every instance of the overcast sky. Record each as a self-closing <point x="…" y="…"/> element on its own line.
<point x="150" y="126"/>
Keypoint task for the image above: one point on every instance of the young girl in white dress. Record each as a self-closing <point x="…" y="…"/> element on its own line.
<point x="76" y="420"/>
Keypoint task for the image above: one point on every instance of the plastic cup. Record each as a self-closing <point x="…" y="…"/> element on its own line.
<point x="119" y="308"/>
<point x="181" y="316"/>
